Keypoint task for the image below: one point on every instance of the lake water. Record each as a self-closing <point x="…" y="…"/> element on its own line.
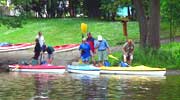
<point x="33" y="86"/>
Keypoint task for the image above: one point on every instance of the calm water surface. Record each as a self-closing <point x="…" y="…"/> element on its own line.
<point x="31" y="86"/>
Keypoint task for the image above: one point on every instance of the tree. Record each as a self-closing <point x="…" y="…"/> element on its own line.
<point x="109" y="8"/>
<point x="169" y="13"/>
<point x="154" y="24"/>
<point x="92" y="8"/>
<point x="149" y="23"/>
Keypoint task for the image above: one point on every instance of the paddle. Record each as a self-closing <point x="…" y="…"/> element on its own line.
<point x="111" y="56"/>
<point x="125" y="64"/>
<point x="83" y="29"/>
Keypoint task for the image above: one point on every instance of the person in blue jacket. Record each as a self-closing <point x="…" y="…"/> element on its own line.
<point x="86" y="52"/>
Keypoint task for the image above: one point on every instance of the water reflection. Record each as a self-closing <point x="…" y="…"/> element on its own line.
<point x="36" y="86"/>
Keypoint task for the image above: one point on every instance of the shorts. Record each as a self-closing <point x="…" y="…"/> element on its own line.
<point x="85" y="59"/>
<point x="128" y="57"/>
<point x="102" y="55"/>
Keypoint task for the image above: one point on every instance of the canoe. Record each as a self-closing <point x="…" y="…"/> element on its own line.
<point x="65" y="47"/>
<point x="83" y="69"/>
<point x="14" y="47"/>
<point x="137" y="70"/>
<point x="37" y="68"/>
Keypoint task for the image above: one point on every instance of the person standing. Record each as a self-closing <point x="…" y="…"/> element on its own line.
<point x="37" y="51"/>
<point x="91" y="41"/>
<point x="41" y="39"/>
<point x="103" y="49"/>
<point x="128" y="51"/>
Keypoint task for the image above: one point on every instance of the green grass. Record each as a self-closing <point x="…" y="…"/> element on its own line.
<point x="67" y="30"/>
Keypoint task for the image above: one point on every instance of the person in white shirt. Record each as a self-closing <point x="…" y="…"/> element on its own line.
<point x="40" y="37"/>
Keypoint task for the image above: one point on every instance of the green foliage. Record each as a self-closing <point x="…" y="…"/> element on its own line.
<point x="167" y="56"/>
<point x="14" y="22"/>
<point x="169" y="14"/>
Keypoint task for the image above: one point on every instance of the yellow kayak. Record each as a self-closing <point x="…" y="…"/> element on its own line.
<point x="136" y="70"/>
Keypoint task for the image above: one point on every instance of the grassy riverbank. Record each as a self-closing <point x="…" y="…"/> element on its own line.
<point x="168" y="56"/>
<point x="67" y="31"/>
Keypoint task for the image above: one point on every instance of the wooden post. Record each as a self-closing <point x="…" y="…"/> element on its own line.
<point x="124" y="22"/>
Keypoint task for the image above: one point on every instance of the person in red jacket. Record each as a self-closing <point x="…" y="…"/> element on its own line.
<point x="90" y="41"/>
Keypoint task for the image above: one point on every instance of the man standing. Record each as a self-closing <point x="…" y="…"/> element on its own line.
<point x="128" y="51"/>
<point x="40" y="37"/>
<point x="103" y="49"/>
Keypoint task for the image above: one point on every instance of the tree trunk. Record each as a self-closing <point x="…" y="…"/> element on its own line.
<point x="154" y="24"/>
<point x="93" y="8"/>
<point x="143" y="25"/>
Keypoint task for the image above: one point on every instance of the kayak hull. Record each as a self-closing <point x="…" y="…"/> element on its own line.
<point x="38" y="68"/>
<point x="137" y="70"/>
<point x="15" y="47"/>
<point x="83" y="69"/>
<point x="146" y="73"/>
<point x="84" y="72"/>
<point x="66" y="47"/>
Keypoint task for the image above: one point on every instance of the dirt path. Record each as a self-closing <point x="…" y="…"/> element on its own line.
<point x="61" y="58"/>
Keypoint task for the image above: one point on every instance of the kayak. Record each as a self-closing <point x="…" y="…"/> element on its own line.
<point x="13" y="47"/>
<point x="37" y="68"/>
<point x="83" y="69"/>
<point x="65" y="47"/>
<point x="137" y="70"/>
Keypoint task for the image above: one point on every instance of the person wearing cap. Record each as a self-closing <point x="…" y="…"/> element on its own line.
<point x="103" y="49"/>
<point x="85" y="51"/>
<point x="128" y="51"/>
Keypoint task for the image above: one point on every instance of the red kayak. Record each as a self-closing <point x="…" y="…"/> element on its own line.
<point x="13" y="47"/>
<point x="21" y="46"/>
<point x="37" y="68"/>
<point x="66" y="47"/>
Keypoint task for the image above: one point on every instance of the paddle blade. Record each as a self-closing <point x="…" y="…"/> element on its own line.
<point x="84" y="28"/>
<point x="111" y="56"/>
